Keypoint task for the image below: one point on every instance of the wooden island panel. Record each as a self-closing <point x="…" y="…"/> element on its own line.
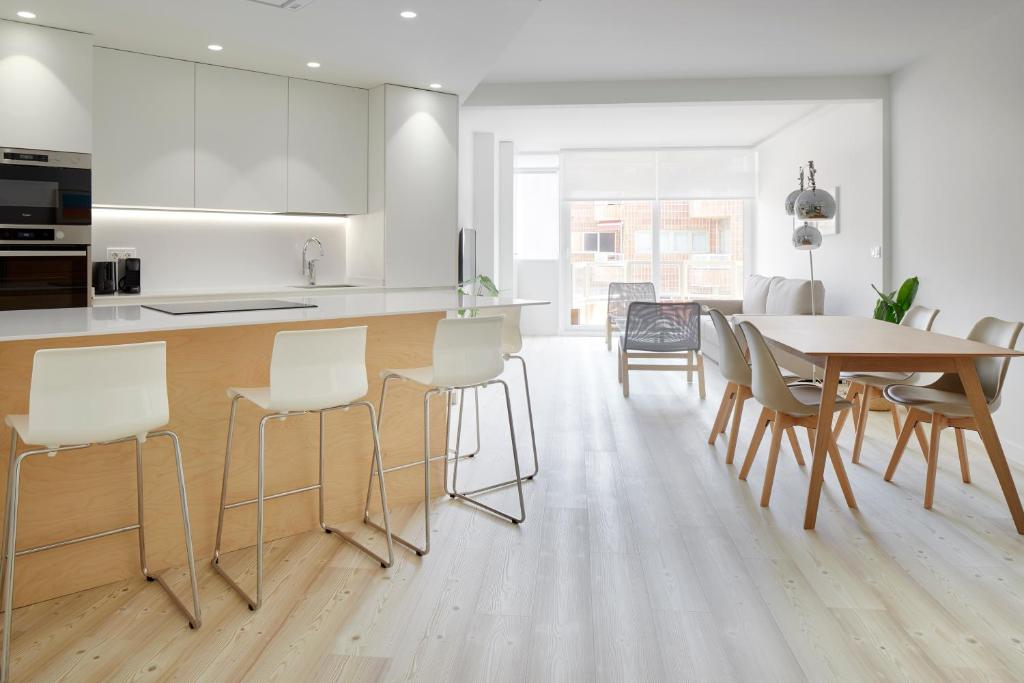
<point x="83" y="492"/>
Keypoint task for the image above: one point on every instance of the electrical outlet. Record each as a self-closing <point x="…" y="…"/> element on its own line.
<point x="118" y="253"/>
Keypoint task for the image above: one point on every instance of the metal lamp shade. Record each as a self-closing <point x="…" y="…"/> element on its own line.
<point x="814" y="205"/>
<point x="807" y="237"/>
<point x="791" y="201"/>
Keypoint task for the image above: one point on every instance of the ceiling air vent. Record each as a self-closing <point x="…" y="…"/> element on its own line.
<point x="284" y="4"/>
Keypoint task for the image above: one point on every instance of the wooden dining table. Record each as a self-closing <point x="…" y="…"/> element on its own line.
<point x="852" y="344"/>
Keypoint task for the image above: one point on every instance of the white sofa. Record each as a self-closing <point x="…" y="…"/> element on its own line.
<point x="764" y="295"/>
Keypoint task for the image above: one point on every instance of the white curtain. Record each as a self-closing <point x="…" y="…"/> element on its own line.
<point x="658" y="174"/>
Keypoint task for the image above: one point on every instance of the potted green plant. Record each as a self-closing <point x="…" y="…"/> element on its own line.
<point x="892" y="307"/>
<point x="481" y="285"/>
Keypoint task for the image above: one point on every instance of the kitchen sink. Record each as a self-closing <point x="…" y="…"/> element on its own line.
<point x="327" y="286"/>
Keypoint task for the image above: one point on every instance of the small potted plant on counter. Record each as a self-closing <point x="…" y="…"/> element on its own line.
<point x="481" y="285"/>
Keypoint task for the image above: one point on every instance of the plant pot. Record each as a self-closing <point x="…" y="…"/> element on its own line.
<point x="879" y="403"/>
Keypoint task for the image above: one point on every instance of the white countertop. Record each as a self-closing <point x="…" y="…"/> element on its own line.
<point x="252" y="292"/>
<point x="353" y="303"/>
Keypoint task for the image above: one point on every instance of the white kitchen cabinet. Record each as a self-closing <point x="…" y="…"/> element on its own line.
<point x="327" y="128"/>
<point x="143" y="130"/>
<point x="45" y="88"/>
<point x="413" y="193"/>
<point x="241" y="140"/>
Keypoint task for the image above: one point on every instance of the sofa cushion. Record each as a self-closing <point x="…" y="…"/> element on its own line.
<point x="793" y="297"/>
<point x="755" y="294"/>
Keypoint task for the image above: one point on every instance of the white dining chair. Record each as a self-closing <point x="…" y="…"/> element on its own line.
<point x="311" y="371"/>
<point x="65" y="415"/>
<point x="943" y="403"/>
<point x="784" y="406"/>
<point x="863" y="387"/>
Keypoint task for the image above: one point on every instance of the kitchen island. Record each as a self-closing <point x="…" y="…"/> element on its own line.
<point x="82" y="492"/>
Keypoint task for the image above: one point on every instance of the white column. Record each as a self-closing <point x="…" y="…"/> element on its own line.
<point x="506" y="231"/>
<point x="485" y="209"/>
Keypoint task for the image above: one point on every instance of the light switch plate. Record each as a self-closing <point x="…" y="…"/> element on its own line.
<point x="876" y="252"/>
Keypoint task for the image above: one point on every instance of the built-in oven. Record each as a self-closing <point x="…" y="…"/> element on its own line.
<point x="45" y="229"/>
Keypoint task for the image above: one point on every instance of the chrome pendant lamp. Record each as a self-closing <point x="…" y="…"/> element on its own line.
<point x="791" y="199"/>
<point x="814" y="204"/>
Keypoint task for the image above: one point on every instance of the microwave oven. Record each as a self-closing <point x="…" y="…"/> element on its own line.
<point x="44" y="188"/>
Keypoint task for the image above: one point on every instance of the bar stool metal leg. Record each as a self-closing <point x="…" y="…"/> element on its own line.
<point x="533" y="436"/>
<point x="195" y="617"/>
<point x="466" y="496"/>
<point x="427" y="459"/>
<point x="375" y="465"/>
<point x="253" y="604"/>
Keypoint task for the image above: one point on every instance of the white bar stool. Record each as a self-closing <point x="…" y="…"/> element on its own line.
<point x="511" y="346"/>
<point x="467" y="355"/>
<point x="64" y="415"/>
<point x="311" y="371"/>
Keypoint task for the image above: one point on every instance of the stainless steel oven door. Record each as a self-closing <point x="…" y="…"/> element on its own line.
<point x="43" y="276"/>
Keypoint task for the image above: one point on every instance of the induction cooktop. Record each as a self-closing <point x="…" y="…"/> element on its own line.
<point x="193" y="307"/>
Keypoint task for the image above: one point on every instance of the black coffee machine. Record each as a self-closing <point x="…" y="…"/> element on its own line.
<point x="104" y="277"/>
<point x="130" y="280"/>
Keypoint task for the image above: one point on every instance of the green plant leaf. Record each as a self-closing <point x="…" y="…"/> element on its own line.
<point x="907" y="292"/>
<point x="488" y="284"/>
<point x="887" y="298"/>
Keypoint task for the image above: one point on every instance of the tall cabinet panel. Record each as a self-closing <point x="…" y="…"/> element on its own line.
<point x="241" y="140"/>
<point x="420" y="187"/>
<point x="45" y="88"/>
<point x="327" y="128"/>
<point x="143" y="130"/>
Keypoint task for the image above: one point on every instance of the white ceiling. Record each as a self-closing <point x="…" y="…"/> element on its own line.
<point x="568" y="40"/>
<point x="358" y="42"/>
<point x="460" y="43"/>
<point x="545" y="129"/>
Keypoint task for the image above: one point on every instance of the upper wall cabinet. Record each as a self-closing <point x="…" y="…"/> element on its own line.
<point x="241" y="140"/>
<point x="45" y="88"/>
<point x="327" y="128"/>
<point x="144" y="130"/>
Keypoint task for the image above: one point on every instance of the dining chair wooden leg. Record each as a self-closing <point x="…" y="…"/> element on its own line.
<point x="619" y="361"/>
<point x="844" y="480"/>
<point x="922" y="441"/>
<point x="961" y="449"/>
<point x="723" y="410"/>
<point x="913" y="417"/>
<point x="862" y="422"/>
<point x="938" y="422"/>
<point x="742" y="394"/>
<point x="755" y="442"/>
<point x="810" y="438"/>
<point x="700" y="376"/>
<point x="689" y="367"/>
<point x="778" y="426"/>
<point x="795" y="444"/>
<point x="844" y="414"/>
<point x="624" y="362"/>
<point x="894" y="413"/>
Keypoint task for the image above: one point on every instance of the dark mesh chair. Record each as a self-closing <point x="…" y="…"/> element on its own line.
<point x="662" y="330"/>
<point x="620" y="296"/>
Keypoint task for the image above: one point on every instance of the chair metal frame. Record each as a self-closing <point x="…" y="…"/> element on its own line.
<point x="448" y="457"/>
<point x="10" y="551"/>
<point x="610" y="325"/>
<point x="261" y="497"/>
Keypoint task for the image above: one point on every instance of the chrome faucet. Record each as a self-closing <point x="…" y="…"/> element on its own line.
<point x="308" y="264"/>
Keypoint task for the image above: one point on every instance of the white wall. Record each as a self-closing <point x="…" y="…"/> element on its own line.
<point x="958" y="172"/>
<point x="483" y="186"/>
<point x="845" y="142"/>
<point x="196" y="251"/>
<point x="365" y="234"/>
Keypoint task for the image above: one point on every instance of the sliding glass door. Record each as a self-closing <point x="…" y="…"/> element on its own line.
<point x="673" y="217"/>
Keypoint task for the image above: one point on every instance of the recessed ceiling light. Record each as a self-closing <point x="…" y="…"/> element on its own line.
<point x="436" y="86"/>
<point x="313" y="65"/>
<point x="408" y="14"/>
<point x="25" y="14"/>
<point x="215" y="48"/>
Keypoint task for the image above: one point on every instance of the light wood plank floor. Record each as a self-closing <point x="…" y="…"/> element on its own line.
<point x="643" y="558"/>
